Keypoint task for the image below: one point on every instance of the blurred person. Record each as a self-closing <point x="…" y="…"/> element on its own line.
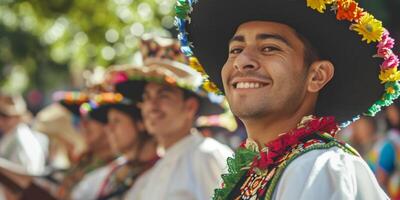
<point x="387" y="154"/>
<point x="129" y="139"/>
<point x="98" y="152"/>
<point x="190" y="164"/>
<point x="19" y="143"/>
<point x="66" y="143"/>
<point x="363" y="135"/>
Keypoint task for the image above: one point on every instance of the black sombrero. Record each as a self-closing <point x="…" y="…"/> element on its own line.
<point x="71" y="100"/>
<point x="208" y="25"/>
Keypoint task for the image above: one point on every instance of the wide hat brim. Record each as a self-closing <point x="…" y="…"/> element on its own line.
<point x="100" y="113"/>
<point x="355" y="85"/>
<point x="72" y="107"/>
<point x="133" y="89"/>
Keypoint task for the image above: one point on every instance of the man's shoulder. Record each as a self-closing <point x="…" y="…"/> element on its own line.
<point x="323" y="156"/>
<point x="210" y="145"/>
<point x="210" y="149"/>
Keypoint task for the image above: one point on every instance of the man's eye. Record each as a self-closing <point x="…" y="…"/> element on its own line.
<point x="270" y="48"/>
<point x="236" y="51"/>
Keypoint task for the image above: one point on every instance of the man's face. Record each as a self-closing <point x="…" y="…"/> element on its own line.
<point x="264" y="73"/>
<point x="93" y="132"/>
<point x="122" y="130"/>
<point x="163" y="109"/>
<point x="8" y="123"/>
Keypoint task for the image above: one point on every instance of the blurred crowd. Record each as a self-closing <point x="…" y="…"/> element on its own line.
<point x="378" y="142"/>
<point x="132" y="131"/>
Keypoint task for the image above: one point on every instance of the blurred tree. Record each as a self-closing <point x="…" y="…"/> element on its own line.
<point x="47" y="44"/>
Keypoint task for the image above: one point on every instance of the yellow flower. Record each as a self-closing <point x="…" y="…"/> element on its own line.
<point x="210" y="87"/>
<point x="319" y="5"/>
<point x="389" y="75"/>
<point x="370" y="28"/>
<point x="195" y="64"/>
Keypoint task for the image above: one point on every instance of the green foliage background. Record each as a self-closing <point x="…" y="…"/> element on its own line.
<point x="46" y="44"/>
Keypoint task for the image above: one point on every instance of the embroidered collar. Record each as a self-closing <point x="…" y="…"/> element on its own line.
<point x="251" y="157"/>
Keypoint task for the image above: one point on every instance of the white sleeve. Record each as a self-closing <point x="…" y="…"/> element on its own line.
<point x="328" y="174"/>
<point x="89" y="187"/>
<point x="208" y="168"/>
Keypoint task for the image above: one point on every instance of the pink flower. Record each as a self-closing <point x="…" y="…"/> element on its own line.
<point x="119" y="77"/>
<point x="385" y="45"/>
<point x="387" y="41"/>
<point x="384" y="52"/>
<point x="391" y="62"/>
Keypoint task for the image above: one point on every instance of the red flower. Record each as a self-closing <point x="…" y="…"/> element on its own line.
<point x="278" y="148"/>
<point x="348" y="9"/>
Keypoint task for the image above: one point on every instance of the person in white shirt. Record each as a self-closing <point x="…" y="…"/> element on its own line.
<point x="136" y="150"/>
<point x="294" y="72"/>
<point x="19" y="143"/>
<point x="190" y="164"/>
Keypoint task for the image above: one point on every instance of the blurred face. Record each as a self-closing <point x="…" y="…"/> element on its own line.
<point x="363" y="131"/>
<point x="164" y="109"/>
<point x="393" y="115"/>
<point x="93" y="132"/>
<point x="8" y="123"/>
<point x="264" y="73"/>
<point x="122" y="130"/>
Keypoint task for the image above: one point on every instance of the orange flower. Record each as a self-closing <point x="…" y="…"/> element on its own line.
<point x="348" y="9"/>
<point x="170" y="80"/>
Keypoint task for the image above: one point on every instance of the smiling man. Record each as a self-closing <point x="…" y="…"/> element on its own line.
<point x="190" y="164"/>
<point x="283" y="68"/>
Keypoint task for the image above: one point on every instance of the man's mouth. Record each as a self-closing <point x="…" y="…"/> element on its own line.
<point x="249" y="83"/>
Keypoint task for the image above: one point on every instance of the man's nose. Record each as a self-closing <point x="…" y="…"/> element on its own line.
<point x="246" y="60"/>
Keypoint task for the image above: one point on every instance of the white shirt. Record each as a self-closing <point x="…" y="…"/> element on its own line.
<point x="190" y="169"/>
<point x="90" y="185"/>
<point x="328" y="174"/>
<point x="27" y="148"/>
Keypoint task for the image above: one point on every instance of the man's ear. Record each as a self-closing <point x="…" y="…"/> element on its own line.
<point x="192" y="105"/>
<point x="320" y="73"/>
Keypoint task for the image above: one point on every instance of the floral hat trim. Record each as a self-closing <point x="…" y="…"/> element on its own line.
<point x="71" y="97"/>
<point x="363" y="23"/>
<point x="158" y="75"/>
<point x="103" y="99"/>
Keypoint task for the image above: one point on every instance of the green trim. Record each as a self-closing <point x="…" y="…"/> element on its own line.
<point x="282" y="167"/>
<point x="237" y="167"/>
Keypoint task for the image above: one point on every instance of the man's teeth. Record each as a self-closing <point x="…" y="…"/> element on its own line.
<point x="246" y="85"/>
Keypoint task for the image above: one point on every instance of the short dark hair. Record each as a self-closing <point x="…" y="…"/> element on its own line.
<point x="310" y="52"/>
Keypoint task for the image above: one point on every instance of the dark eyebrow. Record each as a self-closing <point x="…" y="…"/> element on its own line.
<point x="163" y="88"/>
<point x="237" y="38"/>
<point x="265" y="36"/>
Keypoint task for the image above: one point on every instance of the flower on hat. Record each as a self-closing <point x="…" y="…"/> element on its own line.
<point x="390" y="74"/>
<point x="348" y="9"/>
<point x="370" y="28"/>
<point x="210" y="87"/>
<point x="319" y="5"/>
<point x="195" y="64"/>
<point x="385" y="46"/>
<point x="390" y="62"/>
